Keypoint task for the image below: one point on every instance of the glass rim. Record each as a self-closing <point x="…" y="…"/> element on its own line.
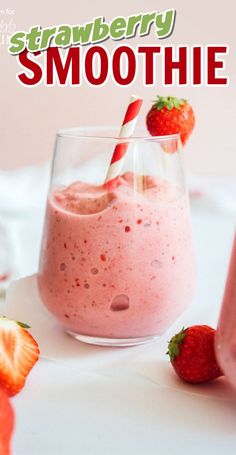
<point x="98" y="133"/>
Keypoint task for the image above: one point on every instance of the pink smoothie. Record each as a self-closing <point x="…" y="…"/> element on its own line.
<point x="117" y="265"/>
<point x="226" y="332"/>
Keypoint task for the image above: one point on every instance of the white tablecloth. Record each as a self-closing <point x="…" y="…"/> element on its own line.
<point x="89" y="401"/>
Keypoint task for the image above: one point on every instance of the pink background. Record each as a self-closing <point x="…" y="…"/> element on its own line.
<point x="31" y="116"/>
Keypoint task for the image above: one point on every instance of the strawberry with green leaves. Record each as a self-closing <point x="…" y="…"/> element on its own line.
<point x="192" y="354"/>
<point x="171" y="115"/>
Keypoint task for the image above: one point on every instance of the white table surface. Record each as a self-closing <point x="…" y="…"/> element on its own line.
<point x="126" y="401"/>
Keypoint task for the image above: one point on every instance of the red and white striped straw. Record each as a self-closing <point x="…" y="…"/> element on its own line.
<point x="120" y="150"/>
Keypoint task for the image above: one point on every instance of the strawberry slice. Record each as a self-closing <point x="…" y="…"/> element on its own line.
<point x="6" y="423"/>
<point x="18" y="354"/>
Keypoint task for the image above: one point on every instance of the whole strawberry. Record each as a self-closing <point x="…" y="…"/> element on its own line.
<point x="6" y="423"/>
<point x="192" y="354"/>
<point x="171" y="115"/>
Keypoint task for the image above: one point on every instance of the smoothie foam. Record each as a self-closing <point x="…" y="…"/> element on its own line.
<point x="117" y="265"/>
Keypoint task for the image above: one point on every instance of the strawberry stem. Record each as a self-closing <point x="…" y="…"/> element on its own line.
<point x="169" y="102"/>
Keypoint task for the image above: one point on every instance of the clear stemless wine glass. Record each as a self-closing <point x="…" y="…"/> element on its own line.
<point x="117" y="265"/>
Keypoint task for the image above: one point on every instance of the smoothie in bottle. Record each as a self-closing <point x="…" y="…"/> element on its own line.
<point x="226" y="332"/>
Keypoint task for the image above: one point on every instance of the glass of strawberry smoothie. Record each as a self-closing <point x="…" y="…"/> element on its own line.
<point x="117" y="264"/>
<point x="226" y="331"/>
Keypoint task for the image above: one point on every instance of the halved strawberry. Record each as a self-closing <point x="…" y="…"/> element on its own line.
<point x="18" y="354"/>
<point x="6" y="423"/>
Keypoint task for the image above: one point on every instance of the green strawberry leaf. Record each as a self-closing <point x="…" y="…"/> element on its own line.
<point x="22" y="324"/>
<point x="174" y="344"/>
<point x="169" y="102"/>
<point x="160" y="105"/>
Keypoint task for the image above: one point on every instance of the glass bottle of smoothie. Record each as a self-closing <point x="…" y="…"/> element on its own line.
<point x="226" y="331"/>
<point x="117" y="265"/>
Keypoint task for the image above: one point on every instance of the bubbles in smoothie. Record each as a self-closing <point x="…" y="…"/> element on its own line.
<point x="94" y="271"/>
<point x="156" y="264"/>
<point x="147" y="222"/>
<point x="120" y="303"/>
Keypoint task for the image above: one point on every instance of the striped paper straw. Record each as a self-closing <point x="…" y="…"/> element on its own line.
<point x="126" y="131"/>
